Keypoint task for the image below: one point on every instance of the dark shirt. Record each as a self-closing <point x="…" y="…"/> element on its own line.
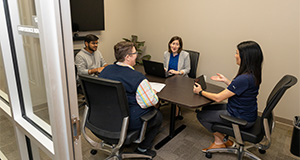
<point x="244" y="103"/>
<point x="130" y="80"/>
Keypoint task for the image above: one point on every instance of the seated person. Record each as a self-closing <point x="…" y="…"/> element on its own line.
<point x="141" y="96"/>
<point x="177" y="61"/>
<point x="241" y="93"/>
<point x="89" y="61"/>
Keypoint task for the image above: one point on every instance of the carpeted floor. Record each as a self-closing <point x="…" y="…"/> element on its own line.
<point x="187" y="145"/>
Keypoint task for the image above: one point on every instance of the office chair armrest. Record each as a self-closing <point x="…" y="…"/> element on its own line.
<point x="234" y="120"/>
<point x="146" y="117"/>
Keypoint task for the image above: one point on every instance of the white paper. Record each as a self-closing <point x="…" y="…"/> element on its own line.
<point x="157" y="86"/>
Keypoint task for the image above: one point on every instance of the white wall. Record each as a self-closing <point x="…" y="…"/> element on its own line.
<point x="214" y="28"/>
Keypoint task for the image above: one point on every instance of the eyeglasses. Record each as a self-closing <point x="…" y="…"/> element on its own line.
<point x="134" y="53"/>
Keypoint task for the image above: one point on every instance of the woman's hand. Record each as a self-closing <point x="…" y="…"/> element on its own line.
<point x="172" y="71"/>
<point x="197" y="88"/>
<point x="220" y="78"/>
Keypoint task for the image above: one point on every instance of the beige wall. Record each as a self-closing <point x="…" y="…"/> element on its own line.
<point x="214" y="28"/>
<point x="119" y="23"/>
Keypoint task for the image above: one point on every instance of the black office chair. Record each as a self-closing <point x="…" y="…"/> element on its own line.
<point x="194" y="58"/>
<point x="261" y="130"/>
<point x="106" y="115"/>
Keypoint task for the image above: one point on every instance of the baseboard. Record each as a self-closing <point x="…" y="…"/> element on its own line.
<point x="281" y="120"/>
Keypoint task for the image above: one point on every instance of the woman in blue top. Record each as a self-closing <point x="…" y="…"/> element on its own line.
<point x="241" y="93"/>
<point x="177" y="61"/>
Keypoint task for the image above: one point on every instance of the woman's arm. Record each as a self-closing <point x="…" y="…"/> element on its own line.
<point x="218" y="97"/>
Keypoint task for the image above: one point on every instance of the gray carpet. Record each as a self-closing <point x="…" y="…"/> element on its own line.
<point x="187" y="145"/>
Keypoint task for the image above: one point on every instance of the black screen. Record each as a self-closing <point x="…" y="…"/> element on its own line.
<point x="87" y="15"/>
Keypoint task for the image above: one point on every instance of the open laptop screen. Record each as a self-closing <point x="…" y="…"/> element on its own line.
<point x="154" y="68"/>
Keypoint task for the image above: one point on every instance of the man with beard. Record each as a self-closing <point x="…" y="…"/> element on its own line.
<point x="89" y="61"/>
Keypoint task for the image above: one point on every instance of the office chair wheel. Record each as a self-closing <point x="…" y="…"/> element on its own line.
<point x="262" y="151"/>
<point x="93" y="152"/>
<point x="208" y="155"/>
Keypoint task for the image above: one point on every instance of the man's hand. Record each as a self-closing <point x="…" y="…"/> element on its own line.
<point x="100" y="69"/>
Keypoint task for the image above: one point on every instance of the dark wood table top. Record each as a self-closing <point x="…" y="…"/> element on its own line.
<point x="179" y="90"/>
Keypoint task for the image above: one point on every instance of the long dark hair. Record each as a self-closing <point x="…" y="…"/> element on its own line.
<point x="180" y="43"/>
<point x="251" y="59"/>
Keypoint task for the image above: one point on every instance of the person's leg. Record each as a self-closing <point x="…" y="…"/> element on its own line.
<point x="210" y="115"/>
<point x="178" y="113"/>
<point x="152" y="129"/>
<point x="218" y="138"/>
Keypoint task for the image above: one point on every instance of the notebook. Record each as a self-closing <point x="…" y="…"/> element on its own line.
<point x="155" y="69"/>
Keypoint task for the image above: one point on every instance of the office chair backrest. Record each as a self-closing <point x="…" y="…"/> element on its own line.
<point x="286" y="82"/>
<point x="194" y="58"/>
<point x="107" y="102"/>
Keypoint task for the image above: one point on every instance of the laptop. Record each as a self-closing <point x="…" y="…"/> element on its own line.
<point x="201" y="80"/>
<point x="155" y="69"/>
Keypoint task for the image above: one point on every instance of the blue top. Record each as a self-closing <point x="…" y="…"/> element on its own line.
<point x="244" y="103"/>
<point x="130" y="80"/>
<point x="173" y="62"/>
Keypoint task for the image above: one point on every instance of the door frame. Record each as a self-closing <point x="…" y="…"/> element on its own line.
<point x="58" y="63"/>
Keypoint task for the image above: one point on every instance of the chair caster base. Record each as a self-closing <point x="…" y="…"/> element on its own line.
<point x="262" y="151"/>
<point x="93" y="152"/>
<point x="208" y="155"/>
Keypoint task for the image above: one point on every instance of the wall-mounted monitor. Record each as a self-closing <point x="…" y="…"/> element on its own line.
<point x="87" y="15"/>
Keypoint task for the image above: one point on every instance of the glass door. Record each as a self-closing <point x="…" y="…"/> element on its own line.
<point x="38" y="64"/>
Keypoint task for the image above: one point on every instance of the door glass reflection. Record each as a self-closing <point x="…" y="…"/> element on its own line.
<point x="32" y="61"/>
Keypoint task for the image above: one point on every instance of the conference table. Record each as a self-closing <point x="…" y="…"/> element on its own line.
<point x="179" y="91"/>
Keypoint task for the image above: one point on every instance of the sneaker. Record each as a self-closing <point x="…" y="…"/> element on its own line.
<point x="162" y="103"/>
<point x="179" y="116"/>
<point x="149" y="152"/>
